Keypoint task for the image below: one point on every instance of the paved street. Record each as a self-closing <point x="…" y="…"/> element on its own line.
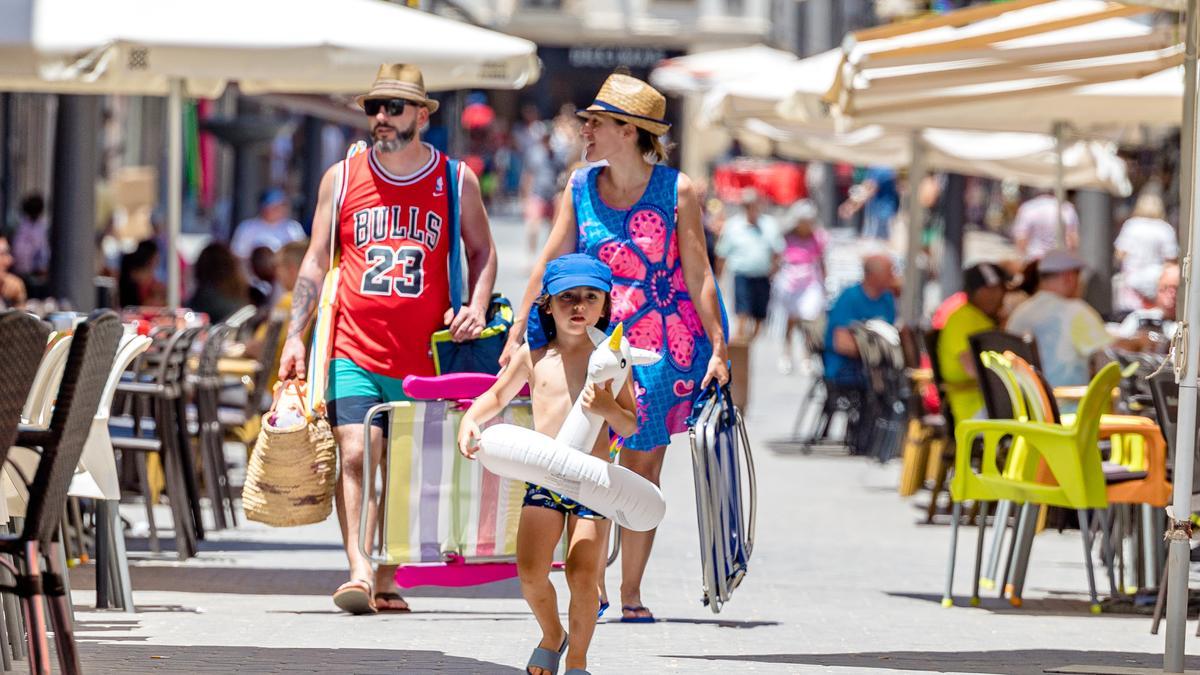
<point x="843" y="580"/>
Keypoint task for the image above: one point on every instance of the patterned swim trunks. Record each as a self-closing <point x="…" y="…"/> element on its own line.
<point x="535" y="495"/>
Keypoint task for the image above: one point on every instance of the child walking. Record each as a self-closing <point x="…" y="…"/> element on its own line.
<point x="575" y="296"/>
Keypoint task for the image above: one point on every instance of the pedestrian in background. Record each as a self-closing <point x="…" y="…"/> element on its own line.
<point x="799" y="285"/>
<point x="31" y="244"/>
<point x="138" y="284"/>
<point x="272" y="227"/>
<point x="220" y="284"/>
<point x="1036" y="225"/>
<point x="1146" y="240"/>
<point x="12" y="289"/>
<point x="751" y="247"/>
<point x="879" y="193"/>
<point x="263" y="265"/>
<point x="539" y="187"/>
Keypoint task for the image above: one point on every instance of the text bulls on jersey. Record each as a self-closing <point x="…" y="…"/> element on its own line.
<point x="402" y="224"/>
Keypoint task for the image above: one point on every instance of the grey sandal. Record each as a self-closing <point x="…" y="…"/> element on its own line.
<point x="577" y="671"/>
<point x="547" y="659"/>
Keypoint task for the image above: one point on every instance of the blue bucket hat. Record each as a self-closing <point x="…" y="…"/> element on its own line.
<point x="271" y="197"/>
<point x="575" y="270"/>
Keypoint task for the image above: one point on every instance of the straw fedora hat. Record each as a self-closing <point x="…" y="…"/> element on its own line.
<point x="630" y="100"/>
<point x="399" y="80"/>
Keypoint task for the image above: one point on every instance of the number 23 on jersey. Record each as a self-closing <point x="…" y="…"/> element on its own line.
<point x="382" y="260"/>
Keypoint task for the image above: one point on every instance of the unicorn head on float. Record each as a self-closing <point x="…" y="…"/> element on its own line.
<point x="611" y="360"/>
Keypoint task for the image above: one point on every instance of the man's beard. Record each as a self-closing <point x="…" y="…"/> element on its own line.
<point x="401" y="141"/>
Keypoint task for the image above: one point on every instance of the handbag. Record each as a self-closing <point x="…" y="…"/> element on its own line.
<point x="481" y="354"/>
<point x="290" y="476"/>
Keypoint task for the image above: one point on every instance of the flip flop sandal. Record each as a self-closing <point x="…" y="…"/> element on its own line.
<point x="603" y="609"/>
<point x="546" y="659"/>
<point x="390" y="597"/>
<point x="354" y="597"/>
<point x="636" y="619"/>
<point x="577" y="671"/>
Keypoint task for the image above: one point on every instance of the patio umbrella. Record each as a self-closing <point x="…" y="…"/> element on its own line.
<point x="699" y="73"/>
<point x="1030" y="159"/>
<point x="177" y="48"/>
<point x="794" y="121"/>
<point x="1036" y="45"/>
<point x="915" y="73"/>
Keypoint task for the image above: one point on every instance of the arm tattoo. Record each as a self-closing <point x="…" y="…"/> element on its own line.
<point x="304" y="304"/>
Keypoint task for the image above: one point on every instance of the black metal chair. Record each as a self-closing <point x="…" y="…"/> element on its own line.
<point x="206" y="384"/>
<point x="88" y="363"/>
<point x="1165" y="392"/>
<point x="836" y="397"/>
<point x="24" y="339"/>
<point x="947" y="459"/>
<point x="926" y="430"/>
<point x="995" y="395"/>
<point x="157" y="394"/>
<point x="881" y="353"/>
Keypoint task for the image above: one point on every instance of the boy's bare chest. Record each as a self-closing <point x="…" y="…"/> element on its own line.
<point x="557" y="381"/>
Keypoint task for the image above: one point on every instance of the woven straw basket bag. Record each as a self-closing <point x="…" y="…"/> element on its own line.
<point x="290" y="477"/>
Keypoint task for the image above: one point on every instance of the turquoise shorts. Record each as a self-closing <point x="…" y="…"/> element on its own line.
<point x="354" y="390"/>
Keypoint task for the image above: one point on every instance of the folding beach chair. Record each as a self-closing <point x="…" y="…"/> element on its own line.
<point x="724" y="496"/>
<point x="444" y="519"/>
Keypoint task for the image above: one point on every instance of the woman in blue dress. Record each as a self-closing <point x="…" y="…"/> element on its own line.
<point x="642" y="218"/>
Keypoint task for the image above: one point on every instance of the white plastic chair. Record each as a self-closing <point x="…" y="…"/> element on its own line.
<point x="96" y="477"/>
<point x="40" y="403"/>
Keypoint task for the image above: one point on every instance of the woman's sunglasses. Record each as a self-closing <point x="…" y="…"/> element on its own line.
<point x="393" y="106"/>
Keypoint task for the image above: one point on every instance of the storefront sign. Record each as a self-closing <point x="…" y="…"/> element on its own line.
<point x="611" y="57"/>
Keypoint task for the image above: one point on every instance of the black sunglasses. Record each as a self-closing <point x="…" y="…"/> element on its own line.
<point x="393" y="106"/>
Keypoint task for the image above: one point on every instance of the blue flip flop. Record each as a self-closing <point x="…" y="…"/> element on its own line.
<point x="636" y="619"/>
<point x="603" y="609"/>
<point x="547" y="659"/>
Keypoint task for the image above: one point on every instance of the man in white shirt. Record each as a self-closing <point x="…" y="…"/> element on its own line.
<point x="1035" y="227"/>
<point x="272" y="228"/>
<point x="751" y="246"/>
<point x="1066" y="328"/>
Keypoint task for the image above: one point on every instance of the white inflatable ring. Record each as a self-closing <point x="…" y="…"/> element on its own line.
<point x="609" y="489"/>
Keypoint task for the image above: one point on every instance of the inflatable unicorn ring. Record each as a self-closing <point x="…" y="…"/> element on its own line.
<point x="565" y="463"/>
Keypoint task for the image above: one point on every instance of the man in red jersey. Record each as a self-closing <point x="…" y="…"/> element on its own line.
<point x="391" y="207"/>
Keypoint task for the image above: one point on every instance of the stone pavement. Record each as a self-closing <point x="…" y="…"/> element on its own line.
<point x="843" y="580"/>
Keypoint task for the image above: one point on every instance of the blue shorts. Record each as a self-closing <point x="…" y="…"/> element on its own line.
<point x="751" y="296"/>
<point x="353" y="390"/>
<point x="535" y="495"/>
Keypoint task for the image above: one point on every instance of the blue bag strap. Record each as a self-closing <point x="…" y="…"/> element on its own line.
<point x="454" y="190"/>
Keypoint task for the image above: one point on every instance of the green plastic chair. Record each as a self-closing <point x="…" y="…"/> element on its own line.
<point x="1071" y="453"/>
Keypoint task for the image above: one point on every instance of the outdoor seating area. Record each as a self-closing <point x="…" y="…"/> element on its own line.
<point x="100" y="413"/>
<point x="1026" y="466"/>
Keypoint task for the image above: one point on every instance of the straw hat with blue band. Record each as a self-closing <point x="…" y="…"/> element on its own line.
<point x="630" y="100"/>
<point x="399" y="80"/>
